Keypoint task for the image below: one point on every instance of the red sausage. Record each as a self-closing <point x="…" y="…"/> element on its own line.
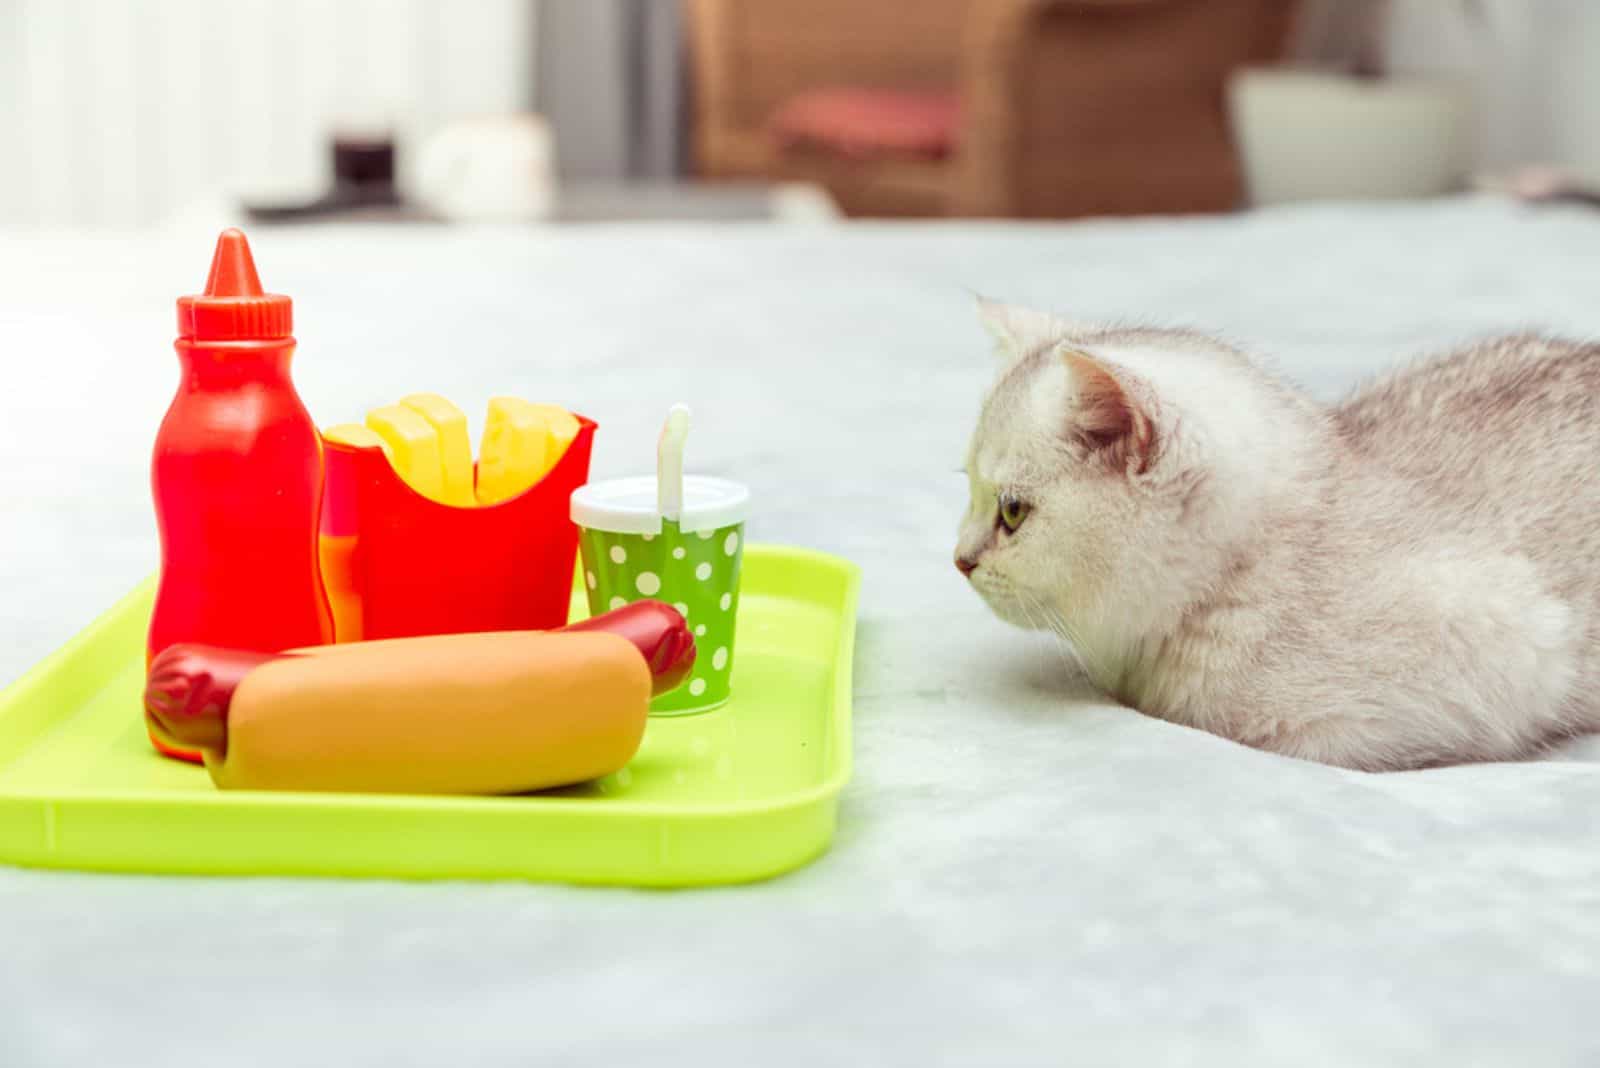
<point x="188" y="690"/>
<point x="658" y="632"/>
<point x="190" y="685"/>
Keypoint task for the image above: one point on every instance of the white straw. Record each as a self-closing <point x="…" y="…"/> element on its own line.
<point x="669" y="463"/>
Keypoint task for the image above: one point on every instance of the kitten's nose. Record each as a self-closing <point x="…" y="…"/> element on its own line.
<point x="966" y="564"/>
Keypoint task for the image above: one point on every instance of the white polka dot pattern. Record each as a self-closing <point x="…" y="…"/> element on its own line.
<point x="696" y="572"/>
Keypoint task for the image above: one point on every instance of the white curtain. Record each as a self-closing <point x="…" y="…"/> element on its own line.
<point x="123" y="112"/>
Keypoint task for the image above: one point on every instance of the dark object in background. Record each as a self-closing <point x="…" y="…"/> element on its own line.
<point x="364" y="165"/>
<point x="363" y="186"/>
<point x="1024" y="108"/>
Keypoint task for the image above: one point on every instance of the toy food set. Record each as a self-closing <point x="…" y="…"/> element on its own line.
<point x="678" y="539"/>
<point x="364" y="637"/>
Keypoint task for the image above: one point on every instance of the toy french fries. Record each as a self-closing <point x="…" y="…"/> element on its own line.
<point x="409" y="546"/>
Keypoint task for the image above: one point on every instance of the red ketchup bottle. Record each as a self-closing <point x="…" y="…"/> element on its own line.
<point x="237" y="476"/>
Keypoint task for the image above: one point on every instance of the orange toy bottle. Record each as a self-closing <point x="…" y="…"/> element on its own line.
<point x="237" y="477"/>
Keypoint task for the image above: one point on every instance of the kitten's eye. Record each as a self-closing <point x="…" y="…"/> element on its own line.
<point x="1012" y="513"/>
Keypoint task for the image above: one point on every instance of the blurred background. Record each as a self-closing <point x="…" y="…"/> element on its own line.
<point x="133" y="113"/>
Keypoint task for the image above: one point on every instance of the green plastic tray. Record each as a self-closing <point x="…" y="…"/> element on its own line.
<point x="741" y="793"/>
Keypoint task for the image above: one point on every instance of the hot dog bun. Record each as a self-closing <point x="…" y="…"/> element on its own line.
<point x="451" y="714"/>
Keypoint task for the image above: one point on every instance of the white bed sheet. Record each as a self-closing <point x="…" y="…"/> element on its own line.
<point x="1023" y="873"/>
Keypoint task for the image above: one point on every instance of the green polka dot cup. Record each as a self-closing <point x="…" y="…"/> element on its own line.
<point x="691" y="562"/>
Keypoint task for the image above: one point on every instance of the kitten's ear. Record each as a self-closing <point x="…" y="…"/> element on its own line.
<point x="1016" y="330"/>
<point x="1112" y="414"/>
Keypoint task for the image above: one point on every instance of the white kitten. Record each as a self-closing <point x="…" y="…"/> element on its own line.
<point x="1409" y="578"/>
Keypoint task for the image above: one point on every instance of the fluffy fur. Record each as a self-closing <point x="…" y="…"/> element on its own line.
<point x="1410" y="578"/>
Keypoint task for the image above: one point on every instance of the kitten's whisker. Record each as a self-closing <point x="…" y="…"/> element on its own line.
<point x="1071" y="648"/>
<point x="1023" y="600"/>
<point x="1053" y="623"/>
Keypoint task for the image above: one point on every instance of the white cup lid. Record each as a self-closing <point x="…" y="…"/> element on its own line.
<point x="628" y="505"/>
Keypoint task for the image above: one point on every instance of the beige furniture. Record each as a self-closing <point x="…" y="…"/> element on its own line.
<point x="1057" y="107"/>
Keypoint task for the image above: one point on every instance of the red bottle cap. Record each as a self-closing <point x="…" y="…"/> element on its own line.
<point x="233" y="307"/>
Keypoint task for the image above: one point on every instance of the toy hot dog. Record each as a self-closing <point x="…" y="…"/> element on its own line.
<point x="488" y="713"/>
